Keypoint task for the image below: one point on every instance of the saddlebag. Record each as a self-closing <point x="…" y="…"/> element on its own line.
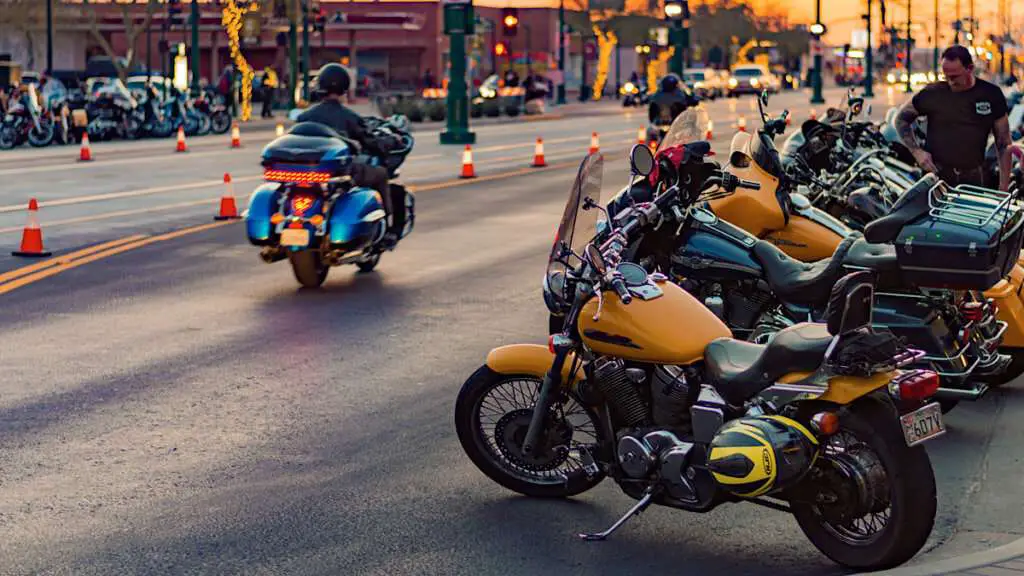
<point x="968" y="239"/>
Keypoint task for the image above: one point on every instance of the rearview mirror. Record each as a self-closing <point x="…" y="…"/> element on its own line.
<point x="641" y="159"/>
<point x="595" y="259"/>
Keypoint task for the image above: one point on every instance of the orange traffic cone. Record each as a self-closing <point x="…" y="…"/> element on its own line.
<point x="467" y="164"/>
<point x="85" y="154"/>
<point x="228" y="211"/>
<point x="32" y="236"/>
<point x="236" y="136"/>
<point x="641" y="136"/>
<point x="280" y="129"/>
<point x="595" y="143"/>
<point x="181" y="140"/>
<point x="741" y="124"/>
<point x="538" y="154"/>
<point x="709" y="135"/>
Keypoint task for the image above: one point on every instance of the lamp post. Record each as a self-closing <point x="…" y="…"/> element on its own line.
<point x="910" y="50"/>
<point x="869" y="61"/>
<point x="195" y="47"/>
<point x="561" y="51"/>
<point x="675" y="12"/>
<point x="305" y="50"/>
<point x="49" y="37"/>
<point x="817" y="31"/>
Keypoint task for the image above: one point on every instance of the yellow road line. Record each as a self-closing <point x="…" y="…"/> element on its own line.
<point x="131" y="212"/>
<point x="144" y="241"/>
<point x="66" y="258"/>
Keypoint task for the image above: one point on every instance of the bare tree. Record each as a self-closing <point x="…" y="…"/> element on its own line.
<point x="132" y="31"/>
<point x="28" y="17"/>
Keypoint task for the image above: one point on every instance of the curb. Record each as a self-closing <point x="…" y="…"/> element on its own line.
<point x="985" y="558"/>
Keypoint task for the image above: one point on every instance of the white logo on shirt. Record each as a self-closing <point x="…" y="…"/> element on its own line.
<point x="983" y="108"/>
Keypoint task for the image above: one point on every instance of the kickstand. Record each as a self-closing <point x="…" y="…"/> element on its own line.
<point x="635" y="510"/>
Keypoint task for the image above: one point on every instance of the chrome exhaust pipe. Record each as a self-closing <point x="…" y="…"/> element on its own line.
<point x="963" y="394"/>
<point x="271" y="254"/>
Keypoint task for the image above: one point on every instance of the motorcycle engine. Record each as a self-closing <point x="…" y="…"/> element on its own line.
<point x="643" y="454"/>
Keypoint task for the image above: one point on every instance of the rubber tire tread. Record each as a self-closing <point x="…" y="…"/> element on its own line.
<point x="304" y="265"/>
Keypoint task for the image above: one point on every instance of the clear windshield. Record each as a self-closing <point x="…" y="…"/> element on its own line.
<point x="578" y="226"/>
<point x="690" y="126"/>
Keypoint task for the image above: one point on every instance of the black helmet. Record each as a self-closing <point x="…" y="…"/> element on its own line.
<point x="333" y="79"/>
<point x="669" y="83"/>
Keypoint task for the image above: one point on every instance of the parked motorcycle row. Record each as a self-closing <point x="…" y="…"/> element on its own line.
<point x="109" y="111"/>
<point x="736" y="332"/>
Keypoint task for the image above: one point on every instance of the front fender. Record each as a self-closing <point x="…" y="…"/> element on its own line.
<point x="531" y="360"/>
<point x="262" y="205"/>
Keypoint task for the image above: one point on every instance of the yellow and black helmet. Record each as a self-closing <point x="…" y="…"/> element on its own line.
<point x="749" y="457"/>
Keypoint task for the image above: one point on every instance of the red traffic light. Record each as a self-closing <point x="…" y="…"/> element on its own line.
<point x="500" y="49"/>
<point x="509" y="21"/>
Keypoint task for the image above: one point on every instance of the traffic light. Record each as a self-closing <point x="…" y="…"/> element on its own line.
<point x="509" y="21"/>
<point x="500" y="49"/>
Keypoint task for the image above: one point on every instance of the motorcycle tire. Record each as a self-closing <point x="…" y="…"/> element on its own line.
<point x="486" y="455"/>
<point x="48" y="132"/>
<point x="7" y="138"/>
<point x="309" y="269"/>
<point x="910" y="480"/>
<point x="221" y="122"/>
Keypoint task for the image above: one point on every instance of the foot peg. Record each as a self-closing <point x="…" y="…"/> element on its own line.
<point x="635" y="510"/>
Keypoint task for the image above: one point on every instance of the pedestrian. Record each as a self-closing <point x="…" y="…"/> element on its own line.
<point x="961" y="111"/>
<point x="268" y="87"/>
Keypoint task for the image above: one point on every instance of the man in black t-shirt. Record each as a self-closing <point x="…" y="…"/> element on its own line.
<point x="961" y="112"/>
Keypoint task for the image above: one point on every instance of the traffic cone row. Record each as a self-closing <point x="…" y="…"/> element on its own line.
<point x="85" y="154"/>
<point x="469" y="170"/>
<point x="741" y="124"/>
<point x="32" y="235"/>
<point x="467" y="163"/>
<point x="228" y="210"/>
<point x="538" y="154"/>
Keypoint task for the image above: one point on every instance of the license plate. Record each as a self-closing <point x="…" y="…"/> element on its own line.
<point x="923" y="424"/>
<point x="295" y="237"/>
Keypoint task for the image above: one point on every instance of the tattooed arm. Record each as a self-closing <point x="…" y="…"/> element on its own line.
<point x="905" y="128"/>
<point x="1001" y="131"/>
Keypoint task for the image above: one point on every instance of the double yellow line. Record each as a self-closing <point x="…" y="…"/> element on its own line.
<point x="28" y="274"/>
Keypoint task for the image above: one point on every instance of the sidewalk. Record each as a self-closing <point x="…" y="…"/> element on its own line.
<point x="1006" y="560"/>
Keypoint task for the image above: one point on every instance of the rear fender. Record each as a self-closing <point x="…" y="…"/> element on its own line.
<point x="355" y="216"/>
<point x="263" y="203"/>
<point x="530" y="360"/>
<point x="846" y="389"/>
<point x="1007" y="296"/>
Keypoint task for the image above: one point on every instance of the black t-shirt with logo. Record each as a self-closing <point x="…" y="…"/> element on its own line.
<point x="959" y="122"/>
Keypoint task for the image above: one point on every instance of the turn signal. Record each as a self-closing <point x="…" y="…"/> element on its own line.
<point x="276" y="218"/>
<point x="826" y="423"/>
<point x="317" y="220"/>
<point x="917" y="385"/>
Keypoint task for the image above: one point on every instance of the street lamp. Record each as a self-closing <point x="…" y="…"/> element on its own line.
<point x="678" y="12"/>
<point x="817" y="31"/>
<point x="561" y="52"/>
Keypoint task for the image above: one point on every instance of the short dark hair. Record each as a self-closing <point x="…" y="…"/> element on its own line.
<point x="958" y="52"/>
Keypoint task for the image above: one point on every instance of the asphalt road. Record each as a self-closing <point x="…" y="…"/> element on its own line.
<point x="183" y="408"/>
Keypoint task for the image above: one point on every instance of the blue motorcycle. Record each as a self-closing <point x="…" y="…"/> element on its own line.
<point x="310" y="211"/>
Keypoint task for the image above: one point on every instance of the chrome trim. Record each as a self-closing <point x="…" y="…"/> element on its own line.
<point x="961" y="394"/>
<point x="821" y="217"/>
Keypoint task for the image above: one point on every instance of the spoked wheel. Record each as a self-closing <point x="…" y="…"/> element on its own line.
<point x="309" y="268"/>
<point x="873" y="496"/>
<point x="492" y="414"/>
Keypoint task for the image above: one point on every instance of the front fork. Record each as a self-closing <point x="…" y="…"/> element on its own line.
<point x="548" y="389"/>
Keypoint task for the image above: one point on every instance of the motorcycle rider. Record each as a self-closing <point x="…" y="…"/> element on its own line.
<point x="961" y="113"/>
<point x="669" y="101"/>
<point x="333" y="83"/>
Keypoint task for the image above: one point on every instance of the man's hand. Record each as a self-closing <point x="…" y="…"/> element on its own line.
<point x="1001" y="131"/>
<point x="924" y="160"/>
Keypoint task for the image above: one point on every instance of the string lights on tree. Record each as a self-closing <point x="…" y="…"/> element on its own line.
<point x="231" y="19"/>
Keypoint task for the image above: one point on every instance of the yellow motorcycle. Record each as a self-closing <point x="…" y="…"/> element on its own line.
<point x="644" y="384"/>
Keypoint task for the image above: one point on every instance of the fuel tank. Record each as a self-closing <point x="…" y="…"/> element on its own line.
<point x="673" y="328"/>
<point x="756" y="211"/>
<point x="713" y="249"/>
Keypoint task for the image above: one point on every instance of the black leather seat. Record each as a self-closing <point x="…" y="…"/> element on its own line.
<point x="800" y="282"/>
<point x="908" y="207"/>
<point x="739" y="370"/>
<point x="877" y="257"/>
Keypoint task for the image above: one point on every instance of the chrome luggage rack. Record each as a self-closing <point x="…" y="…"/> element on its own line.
<point x="969" y="205"/>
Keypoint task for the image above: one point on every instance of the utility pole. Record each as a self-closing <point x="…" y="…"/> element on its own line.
<point x="293" y="53"/>
<point x="49" y="37"/>
<point x="910" y="49"/>
<point x="305" y="50"/>
<point x="869" y="62"/>
<point x="817" y="31"/>
<point x="561" y="51"/>
<point x="195" y="48"/>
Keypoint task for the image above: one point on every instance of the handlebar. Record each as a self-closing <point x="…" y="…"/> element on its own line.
<point x="620" y="288"/>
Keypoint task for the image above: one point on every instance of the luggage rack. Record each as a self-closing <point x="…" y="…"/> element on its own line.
<point x="965" y="204"/>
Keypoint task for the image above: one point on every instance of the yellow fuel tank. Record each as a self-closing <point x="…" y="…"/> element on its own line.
<point x="671" y="329"/>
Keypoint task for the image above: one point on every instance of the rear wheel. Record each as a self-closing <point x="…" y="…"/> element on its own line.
<point x="309" y="268"/>
<point x="492" y="414"/>
<point x="873" y="496"/>
<point x="369" y="263"/>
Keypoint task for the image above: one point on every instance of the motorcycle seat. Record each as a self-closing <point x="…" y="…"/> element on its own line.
<point x="911" y="205"/>
<point x="801" y="282"/>
<point x="878" y="257"/>
<point x="739" y="369"/>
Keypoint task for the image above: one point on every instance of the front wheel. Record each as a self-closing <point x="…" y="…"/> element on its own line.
<point x="873" y="496"/>
<point x="309" y="268"/>
<point x="492" y="414"/>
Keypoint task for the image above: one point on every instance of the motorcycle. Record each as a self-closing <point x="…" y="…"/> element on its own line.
<point x="634" y="94"/>
<point x="26" y="121"/>
<point x="310" y="212"/>
<point x="644" y="384"/>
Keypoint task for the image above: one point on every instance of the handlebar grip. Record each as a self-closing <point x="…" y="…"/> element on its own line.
<point x="620" y="288"/>
<point x="750" y="184"/>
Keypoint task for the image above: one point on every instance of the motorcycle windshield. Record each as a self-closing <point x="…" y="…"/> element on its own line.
<point x="578" y="226"/>
<point x="690" y="126"/>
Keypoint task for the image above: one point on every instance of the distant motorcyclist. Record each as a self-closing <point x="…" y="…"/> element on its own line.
<point x="669" y="101"/>
<point x="333" y="83"/>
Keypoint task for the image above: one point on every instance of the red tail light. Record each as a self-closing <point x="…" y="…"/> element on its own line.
<point x="551" y="343"/>
<point x="300" y="204"/>
<point x="917" y="385"/>
<point x="973" y="311"/>
<point x="297" y="176"/>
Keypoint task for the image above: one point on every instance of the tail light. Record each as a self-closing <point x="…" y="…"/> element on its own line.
<point x="972" y="311"/>
<point x="301" y="204"/>
<point x="915" y="385"/>
<point x="296" y="176"/>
